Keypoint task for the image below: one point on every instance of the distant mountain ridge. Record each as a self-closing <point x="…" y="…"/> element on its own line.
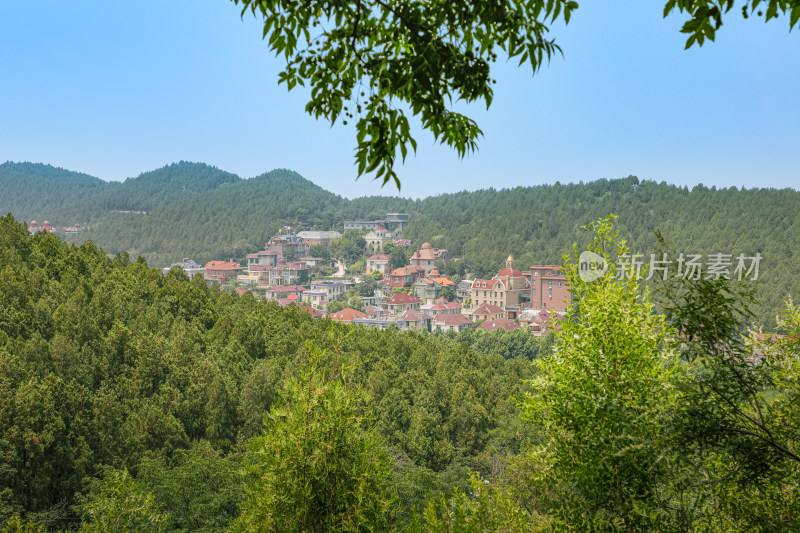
<point x="199" y="211"/>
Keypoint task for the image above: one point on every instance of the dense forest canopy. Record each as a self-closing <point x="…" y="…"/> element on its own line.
<point x="194" y="210"/>
<point x="108" y="364"/>
<point x="131" y="400"/>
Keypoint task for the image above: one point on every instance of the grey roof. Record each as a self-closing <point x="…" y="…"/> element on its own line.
<point x="319" y="234"/>
<point x="186" y="264"/>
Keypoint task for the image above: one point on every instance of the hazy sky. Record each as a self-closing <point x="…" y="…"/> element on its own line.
<point x="118" y="88"/>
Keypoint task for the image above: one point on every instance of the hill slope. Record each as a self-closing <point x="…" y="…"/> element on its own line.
<point x="35" y="191"/>
<point x="194" y="210"/>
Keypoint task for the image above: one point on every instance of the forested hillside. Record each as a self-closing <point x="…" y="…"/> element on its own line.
<point x="33" y="191"/>
<point x="107" y="364"/>
<point x="193" y="210"/>
<point x="136" y="401"/>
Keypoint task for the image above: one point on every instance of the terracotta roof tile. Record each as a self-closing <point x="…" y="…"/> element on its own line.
<point x="347" y="315"/>
<point x="402" y="298"/>
<point x="452" y="320"/>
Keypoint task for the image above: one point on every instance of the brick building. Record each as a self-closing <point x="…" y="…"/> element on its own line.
<point x="549" y="289"/>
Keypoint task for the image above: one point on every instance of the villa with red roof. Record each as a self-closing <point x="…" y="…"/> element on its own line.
<point x="347" y="315"/>
<point x="404" y="277"/>
<point x="426" y="256"/>
<point x="221" y="270"/>
<point x="508" y="288"/>
<point x="451" y="322"/>
<point x="295" y="291"/>
<point x="485" y="312"/>
<point x="402" y="302"/>
<point x="544" y="323"/>
<point x="374" y="312"/>
<point x="314" y="313"/>
<point x="443" y="307"/>
<point x="413" y="319"/>
<point x="379" y="262"/>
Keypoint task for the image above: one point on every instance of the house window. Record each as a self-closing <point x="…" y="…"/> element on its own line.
<point x="550" y="284"/>
<point x="559" y="283"/>
<point x="533" y="291"/>
<point x="533" y="283"/>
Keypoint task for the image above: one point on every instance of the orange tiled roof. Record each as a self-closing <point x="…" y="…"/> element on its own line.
<point x="513" y="272"/>
<point x="452" y="320"/>
<point x="403" y="298"/>
<point x="487" y="309"/>
<point x="347" y="315"/>
<point x="222" y="265"/>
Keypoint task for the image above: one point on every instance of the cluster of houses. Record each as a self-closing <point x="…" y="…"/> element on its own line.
<point x="410" y="297"/>
<point x="285" y="260"/>
<point x="34" y="228"/>
<point x="512" y="299"/>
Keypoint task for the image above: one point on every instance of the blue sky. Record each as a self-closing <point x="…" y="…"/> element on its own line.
<point x="118" y="88"/>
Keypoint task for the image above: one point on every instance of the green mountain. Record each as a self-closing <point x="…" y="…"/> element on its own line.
<point x="194" y="210"/>
<point x="33" y="191"/>
<point x="166" y="185"/>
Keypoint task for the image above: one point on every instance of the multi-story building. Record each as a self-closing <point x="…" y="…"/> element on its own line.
<point x="464" y="290"/>
<point x="288" y="245"/>
<point x="414" y="319"/>
<point x="379" y="262"/>
<point x="221" y="270"/>
<point x="322" y="292"/>
<point x="549" y="289"/>
<point x="429" y="287"/>
<point x="508" y="288"/>
<point x="402" y="302"/>
<point x="288" y="273"/>
<point x="485" y="312"/>
<point x="443" y="307"/>
<point x="404" y="277"/>
<point x="426" y="256"/>
<point x="378" y="237"/>
<point x="397" y="220"/>
<point x="263" y="258"/>
<point x="451" y="322"/>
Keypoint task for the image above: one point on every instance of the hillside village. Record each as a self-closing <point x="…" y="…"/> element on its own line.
<point x="390" y="284"/>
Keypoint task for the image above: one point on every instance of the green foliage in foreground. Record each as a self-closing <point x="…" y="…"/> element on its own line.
<point x="599" y="401"/>
<point x="665" y="422"/>
<point x="320" y="465"/>
<point x="110" y="364"/>
<point x="133" y="400"/>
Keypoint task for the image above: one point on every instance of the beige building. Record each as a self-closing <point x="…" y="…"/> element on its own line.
<point x="426" y="256"/>
<point x="508" y="288"/>
<point x="378" y="237"/>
